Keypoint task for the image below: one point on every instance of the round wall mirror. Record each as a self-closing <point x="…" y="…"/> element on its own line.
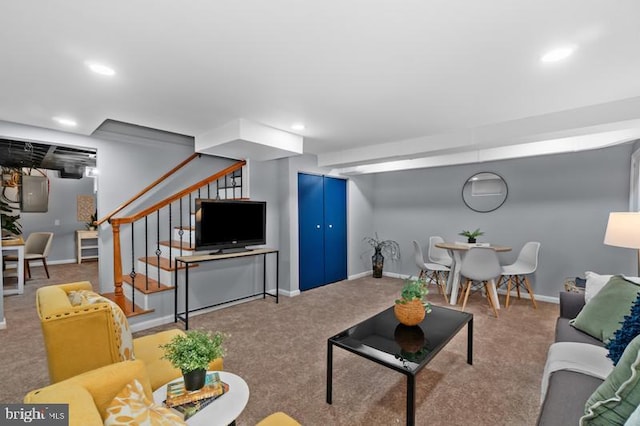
<point x="484" y="192"/>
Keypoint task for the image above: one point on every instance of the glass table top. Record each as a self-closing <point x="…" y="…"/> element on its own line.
<point x="383" y="339"/>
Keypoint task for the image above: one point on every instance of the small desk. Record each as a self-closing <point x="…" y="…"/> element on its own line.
<point x="188" y="260"/>
<point x="15" y="244"/>
<point x="453" y="283"/>
<point x="85" y="235"/>
<point x="224" y="410"/>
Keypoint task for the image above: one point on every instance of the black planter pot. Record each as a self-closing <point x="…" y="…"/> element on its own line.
<point x="471" y="240"/>
<point x="194" y="380"/>
<point x="377" y="261"/>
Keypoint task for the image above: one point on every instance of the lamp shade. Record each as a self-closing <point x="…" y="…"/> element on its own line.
<point x="623" y="230"/>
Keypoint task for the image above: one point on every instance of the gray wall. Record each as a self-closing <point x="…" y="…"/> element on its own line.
<point x="562" y="201"/>
<point x="62" y="208"/>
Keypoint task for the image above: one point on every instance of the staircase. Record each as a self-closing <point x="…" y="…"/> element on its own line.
<point x="155" y="236"/>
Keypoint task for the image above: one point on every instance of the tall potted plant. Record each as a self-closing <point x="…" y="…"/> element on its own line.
<point x="388" y="247"/>
<point x="192" y="352"/>
<point x="10" y="223"/>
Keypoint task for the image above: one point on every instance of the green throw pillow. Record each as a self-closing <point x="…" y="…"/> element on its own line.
<point x="618" y="396"/>
<point x="604" y="313"/>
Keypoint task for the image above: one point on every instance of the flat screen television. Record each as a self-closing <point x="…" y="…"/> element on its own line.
<point x="230" y="224"/>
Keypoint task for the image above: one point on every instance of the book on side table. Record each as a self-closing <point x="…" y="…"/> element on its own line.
<point x="190" y="402"/>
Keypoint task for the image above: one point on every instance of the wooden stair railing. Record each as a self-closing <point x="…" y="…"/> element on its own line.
<point x="116" y="224"/>
<point x="148" y="188"/>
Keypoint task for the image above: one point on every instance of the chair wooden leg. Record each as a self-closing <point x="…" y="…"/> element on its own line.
<point x="27" y="270"/>
<point x="466" y="294"/>
<point x="518" y="284"/>
<point x="490" y="299"/>
<point x="528" y="286"/>
<point x="442" y="286"/>
<point x="421" y="274"/>
<point x="44" y="262"/>
<point x="506" y="304"/>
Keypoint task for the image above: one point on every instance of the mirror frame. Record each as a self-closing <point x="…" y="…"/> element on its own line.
<point x="506" y="193"/>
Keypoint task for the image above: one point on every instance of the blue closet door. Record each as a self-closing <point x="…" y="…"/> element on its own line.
<point x="335" y="229"/>
<point x="311" y="230"/>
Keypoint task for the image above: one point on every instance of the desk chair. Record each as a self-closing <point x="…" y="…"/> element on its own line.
<point x="525" y="264"/>
<point x="435" y="272"/>
<point x="480" y="264"/>
<point x="438" y="255"/>
<point x="36" y="247"/>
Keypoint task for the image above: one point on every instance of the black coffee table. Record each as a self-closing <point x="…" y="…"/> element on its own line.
<point x="384" y="340"/>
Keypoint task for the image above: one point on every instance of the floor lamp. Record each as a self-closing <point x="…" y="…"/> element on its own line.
<point x="623" y="230"/>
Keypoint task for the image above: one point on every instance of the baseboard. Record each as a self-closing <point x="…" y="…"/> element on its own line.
<point x="60" y="262"/>
<point x="525" y="295"/>
<point x="285" y="293"/>
<point x="167" y="319"/>
<point x="49" y="262"/>
<point x="360" y="275"/>
<point x="144" y="325"/>
<point x="3" y="324"/>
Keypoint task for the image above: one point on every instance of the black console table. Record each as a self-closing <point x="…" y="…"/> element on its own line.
<point x="190" y="260"/>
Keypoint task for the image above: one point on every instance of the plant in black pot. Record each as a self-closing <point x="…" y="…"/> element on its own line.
<point x="192" y="352"/>
<point x="472" y="235"/>
<point x="381" y="247"/>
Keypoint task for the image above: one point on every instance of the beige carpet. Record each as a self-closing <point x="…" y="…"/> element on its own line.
<point x="280" y="350"/>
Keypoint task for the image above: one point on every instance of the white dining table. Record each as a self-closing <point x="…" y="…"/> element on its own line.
<point x="456" y="251"/>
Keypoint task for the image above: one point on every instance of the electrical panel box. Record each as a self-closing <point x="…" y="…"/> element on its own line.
<point x="34" y="194"/>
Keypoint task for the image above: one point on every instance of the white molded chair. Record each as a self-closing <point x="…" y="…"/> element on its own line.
<point x="434" y="272"/>
<point x="480" y="264"/>
<point x="36" y="247"/>
<point x="516" y="273"/>
<point x="438" y="255"/>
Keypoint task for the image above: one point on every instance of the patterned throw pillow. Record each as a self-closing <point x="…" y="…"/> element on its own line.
<point x="132" y="407"/>
<point x="124" y="338"/>
<point x="626" y="333"/>
<point x="613" y="402"/>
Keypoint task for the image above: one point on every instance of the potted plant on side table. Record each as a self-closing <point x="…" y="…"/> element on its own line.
<point x="91" y="225"/>
<point x="388" y="247"/>
<point x="412" y="306"/>
<point x="192" y="352"/>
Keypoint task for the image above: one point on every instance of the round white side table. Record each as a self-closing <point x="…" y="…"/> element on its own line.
<point x="221" y="412"/>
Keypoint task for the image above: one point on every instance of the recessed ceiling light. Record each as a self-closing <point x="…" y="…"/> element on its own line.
<point x="99" y="68"/>
<point x="558" y="54"/>
<point x="297" y="126"/>
<point x="65" y="121"/>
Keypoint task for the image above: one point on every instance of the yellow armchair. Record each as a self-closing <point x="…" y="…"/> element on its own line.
<point x="90" y="393"/>
<point x="82" y="338"/>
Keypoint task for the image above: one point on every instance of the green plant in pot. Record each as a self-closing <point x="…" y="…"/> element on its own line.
<point x="91" y="225"/>
<point x="10" y="224"/>
<point x="412" y="306"/>
<point x="192" y="352"/>
<point x="472" y="235"/>
<point x="381" y="247"/>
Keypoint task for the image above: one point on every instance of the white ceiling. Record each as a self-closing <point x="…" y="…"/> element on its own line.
<point x="371" y="80"/>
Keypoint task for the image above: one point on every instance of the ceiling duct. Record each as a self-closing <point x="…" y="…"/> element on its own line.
<point x="69" y="161"/>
